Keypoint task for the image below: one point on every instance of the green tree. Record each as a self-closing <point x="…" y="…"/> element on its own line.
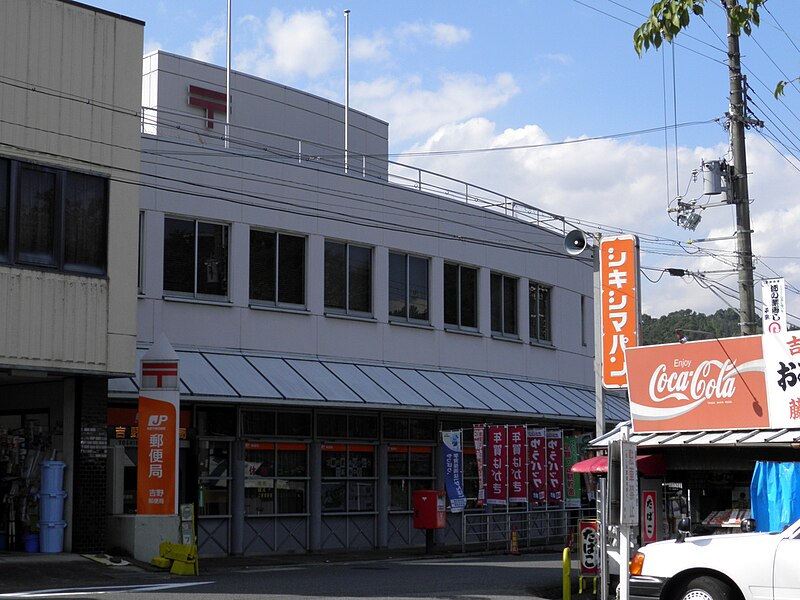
<point x="694" y="325"/>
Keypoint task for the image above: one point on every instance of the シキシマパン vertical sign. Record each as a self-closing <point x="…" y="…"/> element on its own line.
<point x="619" y="300"/>
<point x="159" y="404"/>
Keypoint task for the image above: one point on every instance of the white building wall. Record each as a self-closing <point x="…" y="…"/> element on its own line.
<point x="323" y="203"/>
<point x="71" y="101"/>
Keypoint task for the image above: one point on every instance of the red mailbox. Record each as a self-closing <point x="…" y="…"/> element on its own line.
<point x="429" y="509"/>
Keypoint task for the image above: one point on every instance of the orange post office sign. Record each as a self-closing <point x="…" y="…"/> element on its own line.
<point x="619" y="299"/>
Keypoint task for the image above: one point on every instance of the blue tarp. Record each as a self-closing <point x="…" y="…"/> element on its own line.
<point x="775" y="495"/>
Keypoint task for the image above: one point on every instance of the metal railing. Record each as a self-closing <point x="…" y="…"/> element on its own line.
<point x="536" y="528"/>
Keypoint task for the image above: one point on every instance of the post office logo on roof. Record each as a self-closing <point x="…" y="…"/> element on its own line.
<point x="732" y="383"/>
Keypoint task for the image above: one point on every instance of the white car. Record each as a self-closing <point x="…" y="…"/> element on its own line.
<point x="735" y="566"/>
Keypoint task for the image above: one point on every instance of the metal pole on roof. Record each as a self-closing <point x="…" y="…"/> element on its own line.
<point x="228" y="81"/>
<point x="346" y="82"/>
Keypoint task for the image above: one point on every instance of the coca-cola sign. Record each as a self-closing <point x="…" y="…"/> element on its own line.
<point x="702" y="385"/>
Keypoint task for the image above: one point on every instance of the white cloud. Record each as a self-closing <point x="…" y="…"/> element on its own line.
<point x="413" y="111"/>
<point x="206" y="47"/>
<point x="439" y="34"/>
<point x="373" y="49"/>
<point x="621" y="184"/>
<point x="287" y="47"/>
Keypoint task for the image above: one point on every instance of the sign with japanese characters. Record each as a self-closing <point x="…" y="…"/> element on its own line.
<point x="629" y="494"/>
<point x="589" y="547"/>
<point x="159" y="407"/>
<point x="478" y="436"/>
<point x="572" y="481"/>
<point x="555" y="466"/>
<point x="517" y="464"/>
<point x="731" y="383"/>
<point x="773" y="294"/>
<point x="452" y="454"/>
<point x="619" y="305"/>
<point x="497" y="463"/>
<point x="537" y="464"/>
<point x="649" y="520"/>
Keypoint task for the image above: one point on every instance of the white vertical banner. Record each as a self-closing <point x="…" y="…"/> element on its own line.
<point x="629" y="498"/>
<point x="773" y="295"/>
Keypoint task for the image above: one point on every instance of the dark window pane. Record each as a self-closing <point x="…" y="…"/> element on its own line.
<point x="335" y="273"/>
<point x="292" y="463"/>
<point x="398" y="462"/>
<point x="469" y="297"/>
<point x="4" y="209"/>
<point x="418" y="288"/>
<point x="398" y="494"/>
<point x="334" y="463"/>
<point x="361" y="496"/>
<point x="212" y="259"/>
<point x="331" y="426"/>
<point x="540" y="312"/>
<point x="509" y="305"/>
<point x="179" y="255"/>
<point x="85" y="223"/>
<point x="395" y="428"/>
<point x="291" y="496"/>
<point x="216" y="421"/>
<point x="333" y="496"/>
<point x="36" y="217"/>
<point x="258" y="422"/>
<point x="363" y="427"/>
<point x="398" y="292"/>
<point x="294" y="424"/>
<point x="360" y="279"/>
<point x="497" y="302"/>
<point x="451" y="300"/>
<point x="291" y="269"/>
<point x="262" y="265"/>
<point x="421" y="463"/>
<point x="422" y="429"/>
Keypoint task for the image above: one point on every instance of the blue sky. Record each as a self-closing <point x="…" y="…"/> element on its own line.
<point x="471" y="75"/>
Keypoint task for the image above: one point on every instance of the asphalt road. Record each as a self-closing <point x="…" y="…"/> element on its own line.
<point x="476" y="577"/>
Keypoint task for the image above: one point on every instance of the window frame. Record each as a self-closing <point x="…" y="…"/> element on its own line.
<point x="195" y="294"/>
<point x="348" y="274"/>
<point x="408" y="261"/>
<point x="535" y="290"/>
<point x="276" y="301"/>
<point x="460" y="296"/>
<point x="506" y="282"/>
<point x="65" y="236"/>
<point x="347" y="481"/>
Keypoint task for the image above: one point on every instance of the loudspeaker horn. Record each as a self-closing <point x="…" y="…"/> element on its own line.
<point x="575" y="242"/>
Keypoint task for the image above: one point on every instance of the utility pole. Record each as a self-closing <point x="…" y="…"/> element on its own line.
<point x="738" y="182"/>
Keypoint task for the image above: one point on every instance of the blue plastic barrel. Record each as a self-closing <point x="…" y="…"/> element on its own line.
<point x="51" y="536"/>
<point x="30" y="542"/>
<point x="52" y="476"/>
<point x="51" y="506"/>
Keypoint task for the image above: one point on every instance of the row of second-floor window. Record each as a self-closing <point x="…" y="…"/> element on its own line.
<point x="196" y="265"/>
<point x="53" y="218"/>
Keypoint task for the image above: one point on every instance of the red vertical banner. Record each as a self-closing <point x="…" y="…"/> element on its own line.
<point x="537" y="462"/>
<point x="497" y="489"/>
<point x="517" y="464"/>
<point x="555" y="466"/>
<point x="478" y="433"/>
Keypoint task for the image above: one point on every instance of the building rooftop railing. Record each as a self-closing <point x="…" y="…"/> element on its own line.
<point x="273" y="146"/>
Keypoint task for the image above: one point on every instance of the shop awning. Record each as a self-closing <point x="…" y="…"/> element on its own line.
<point x="734" y="438"/>
<point x="218" y="376"/>
<point x="650" y="465"/>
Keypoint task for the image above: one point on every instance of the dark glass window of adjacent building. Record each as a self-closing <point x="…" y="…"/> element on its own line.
<point x="277" y="268"/>
<point x="408" y="287"/>
<point x="60" y="218"/>
<point x="504" y="304"/>
<point x="348" y="278"/>
<point x="539" y="303"/>
<point x="460" y="296"/>
<point x="195" y="258"/>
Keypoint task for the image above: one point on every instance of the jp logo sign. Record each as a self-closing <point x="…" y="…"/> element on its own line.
<point x="157" y="420"/>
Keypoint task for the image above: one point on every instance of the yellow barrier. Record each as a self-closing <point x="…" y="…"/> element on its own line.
<point x="180" y="559"/>
<point x="566" y="574"/>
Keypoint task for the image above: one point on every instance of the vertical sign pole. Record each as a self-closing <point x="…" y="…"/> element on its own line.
<point x="159" y="411"/>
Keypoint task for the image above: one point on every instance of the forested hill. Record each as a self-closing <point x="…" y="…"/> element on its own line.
<point x="723" y="323"/>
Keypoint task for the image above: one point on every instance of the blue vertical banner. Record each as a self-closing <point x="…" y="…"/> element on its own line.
<point x="452" y="453"/>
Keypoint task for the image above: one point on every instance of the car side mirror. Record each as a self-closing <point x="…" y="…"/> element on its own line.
<point x="684" y="527"/>
<point x="748" y="525"/>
